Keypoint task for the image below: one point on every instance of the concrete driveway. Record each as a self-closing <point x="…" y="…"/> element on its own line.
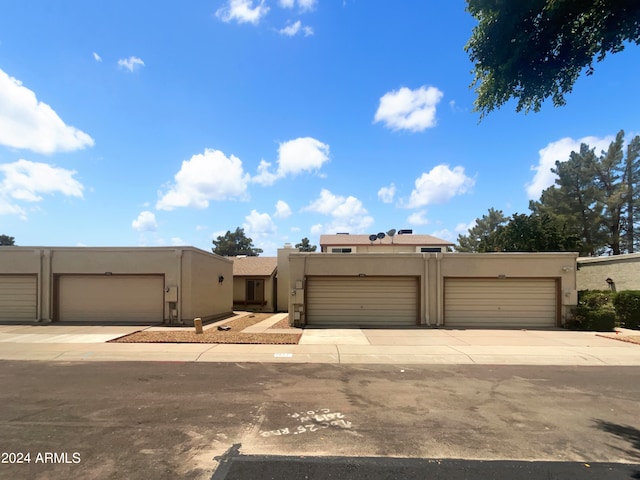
<point x="334" y="346"/>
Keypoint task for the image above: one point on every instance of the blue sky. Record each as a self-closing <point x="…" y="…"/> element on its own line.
<point x="126" y="123"/>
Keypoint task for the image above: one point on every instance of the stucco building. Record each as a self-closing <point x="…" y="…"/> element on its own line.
<point x="144" y="285"/>
<point x="513" y="290"/>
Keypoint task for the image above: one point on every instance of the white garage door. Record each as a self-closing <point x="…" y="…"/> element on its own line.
<point x="362" y="301"/>
<point x="111" y="298"/>
<point x="509" y="302"/>
<point x="18" y="297"/>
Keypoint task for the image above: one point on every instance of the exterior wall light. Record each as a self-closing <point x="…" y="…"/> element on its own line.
<point x="220" y="279"/>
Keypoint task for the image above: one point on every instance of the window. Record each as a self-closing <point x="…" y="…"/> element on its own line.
<point x="430" y="249"/>
<point x="341" y="250"/>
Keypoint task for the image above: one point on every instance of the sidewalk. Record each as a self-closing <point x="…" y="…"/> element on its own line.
<point x="330" y="346"/>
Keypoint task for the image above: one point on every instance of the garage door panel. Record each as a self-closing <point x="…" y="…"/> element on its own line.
<point x="362" y="301"/>
<point x="111" y="298"/>
<point x="500" y="302"/>
<point x="18" y="297"/>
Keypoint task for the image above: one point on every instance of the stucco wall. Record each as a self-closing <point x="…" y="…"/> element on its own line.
<point x="204" y="295"/>
<point x="191" y="271"/>
<point x="284" y="292"/>
<point x="432" y="269"/>
<point x="624" y="270"/>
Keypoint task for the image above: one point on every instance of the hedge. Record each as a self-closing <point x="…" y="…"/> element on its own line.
<point x="627" y="307"/>
<point x="595" y="311"/>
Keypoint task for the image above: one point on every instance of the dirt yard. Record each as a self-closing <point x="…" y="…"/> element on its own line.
<point x="213" y="335"/>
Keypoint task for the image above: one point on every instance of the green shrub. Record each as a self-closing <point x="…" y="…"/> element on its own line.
<point x="596" y="298"/>
<point x="594" y="312"/>
<point x="627" y="305"/>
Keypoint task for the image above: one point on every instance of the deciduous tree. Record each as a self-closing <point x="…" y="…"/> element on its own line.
<point x="536" y="49"/>
<point x="232" y="244"/>
<point x="6" y="240"/>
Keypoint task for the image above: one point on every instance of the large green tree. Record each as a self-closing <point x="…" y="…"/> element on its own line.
<point x="305" y="246"/>
<point x="232" y="244"/>
<point x="596" y="197"/>
<point x="480" y="237"/>
<point x="573" y="200"/>
<point x="534" y="233"/>
<point x="531" y="50"/>
<point x="631" y="236"/>
<point x="6" y="240"/>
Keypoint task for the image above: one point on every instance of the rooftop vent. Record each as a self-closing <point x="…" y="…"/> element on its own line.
<point x="342" y="233"/>
<point x="405" y="232"/>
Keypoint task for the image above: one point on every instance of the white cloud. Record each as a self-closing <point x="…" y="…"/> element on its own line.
<point x="307" y="4"/>
<point x="305" y="154"/>
<point x="282" y="210"/>
<point x="177" y="241"/>
<point x="294" y="28"/>
<point x="259" y="225"/>
<point x="386" y="194"/>
<point x="206" y="176"/>
<point x="28" y="123"/>
<point x="264" y="176"/>
<point x="26" y="181"/>
<point x="347" y="213"/>
<point x="146" y="222"/>
<point x="559" y="150"/>
<point x="405" y="109"/>
<point x="302" y="4"/>
<point x="440" y="185"/>
<point x="97" y="57"/>
<point x="418" y="218"/>
<point x="243" y="11"/>
<point x="464" y="228"/>
<point x="130" y="63"/>
<point x="444" y="234"/>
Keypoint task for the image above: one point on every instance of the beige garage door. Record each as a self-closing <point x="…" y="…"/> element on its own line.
<point x="18" y="297"/>
<point x="362" y="301"/>
<point x="111" y="298"/>
<point x="509" y="302"/>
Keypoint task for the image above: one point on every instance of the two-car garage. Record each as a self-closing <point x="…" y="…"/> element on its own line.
<point x="454" y="290"/>
<point x="468" y="302"/>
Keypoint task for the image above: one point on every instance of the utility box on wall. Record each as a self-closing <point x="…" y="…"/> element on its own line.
<point x="171" y="294"/>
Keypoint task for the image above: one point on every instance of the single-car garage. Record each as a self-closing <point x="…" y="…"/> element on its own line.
<point x="500" y="302"/>
<point x="111" y="298"/>
<point x="18" y="297"/>
<point x="362" y="301"/>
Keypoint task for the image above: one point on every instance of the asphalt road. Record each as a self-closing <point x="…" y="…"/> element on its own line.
<point x="170" y="420"/>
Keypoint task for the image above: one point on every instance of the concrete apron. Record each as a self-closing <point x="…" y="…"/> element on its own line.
<point x="332" y="346"/>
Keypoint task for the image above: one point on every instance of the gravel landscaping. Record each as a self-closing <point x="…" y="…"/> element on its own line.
<point x="213" y="335"/>
<point x="623" y="338"/>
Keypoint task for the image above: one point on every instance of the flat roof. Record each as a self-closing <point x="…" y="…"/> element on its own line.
<point x="398" y="239"/>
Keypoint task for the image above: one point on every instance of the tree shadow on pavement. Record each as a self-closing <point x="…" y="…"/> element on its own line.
<point x="624" y="432"/>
